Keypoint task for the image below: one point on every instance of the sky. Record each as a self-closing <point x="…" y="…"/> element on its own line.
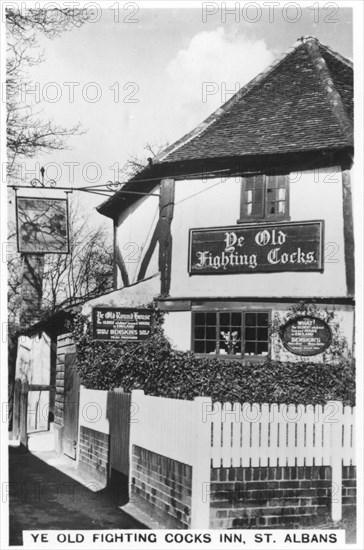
<point x="149" y="75"/>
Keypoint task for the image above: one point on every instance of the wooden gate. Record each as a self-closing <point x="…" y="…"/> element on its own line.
<point x="71" y="406"/>
<point x="119" y="418"/>
<point x="30" y="409"/>
<point x="39" y="396"/>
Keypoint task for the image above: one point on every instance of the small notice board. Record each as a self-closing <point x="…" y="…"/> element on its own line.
<point x="114" y="323"/>
<point x="306" y="335"/>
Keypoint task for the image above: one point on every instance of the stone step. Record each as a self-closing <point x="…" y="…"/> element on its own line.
<point x="41" y="441"/>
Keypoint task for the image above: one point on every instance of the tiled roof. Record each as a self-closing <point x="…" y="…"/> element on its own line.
<point x="287" y="108"/>
<point x="301" y="103"/>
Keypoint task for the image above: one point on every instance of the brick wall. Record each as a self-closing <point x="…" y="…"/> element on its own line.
<point x="94" y="453"/>
<point x="280" y="497"/>
<point x="349" y="490"/>
<point x="162" y="487"/>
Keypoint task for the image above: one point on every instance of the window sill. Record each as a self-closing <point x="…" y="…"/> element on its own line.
<point x="246" y="359"/>
<point x="264" y="220"/>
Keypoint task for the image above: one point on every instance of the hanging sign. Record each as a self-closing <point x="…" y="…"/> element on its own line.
<point x="256" y="248"/>
<point x="115" y="323"/>
<point x="42" y="225"/>
<point x="306" y="335"/>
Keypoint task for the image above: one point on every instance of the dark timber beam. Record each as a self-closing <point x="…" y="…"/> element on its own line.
<point x="348" y="233"/>
<point x="119" y="262"/>
<point x="166" y="207"/>
<point x="115" y="265"/>
<point x="149" y="253"/>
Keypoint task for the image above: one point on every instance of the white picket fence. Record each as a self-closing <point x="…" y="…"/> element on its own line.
<point x="281" y="435"/>
<point x="206" y="435"/>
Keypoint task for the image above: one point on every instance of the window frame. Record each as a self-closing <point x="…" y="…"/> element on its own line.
<point x="265" y="216"/>
<point x="238" y="357"/>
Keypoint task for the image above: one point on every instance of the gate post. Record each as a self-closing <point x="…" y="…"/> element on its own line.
<point x="16" y="409"/>
<point x="201" y="467"/>
<point x="337" y="462"/>
<point x="24" y="413"/>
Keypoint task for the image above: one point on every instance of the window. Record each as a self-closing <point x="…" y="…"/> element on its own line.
<point x="241" y="334"/>
<point x="264" y="198"/>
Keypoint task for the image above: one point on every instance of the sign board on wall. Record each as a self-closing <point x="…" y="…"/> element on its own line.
<point x="115" y="323"/>
<point x="306" y="335"/>
<point x="42" y="225"/>
<point x="257" y="248"/>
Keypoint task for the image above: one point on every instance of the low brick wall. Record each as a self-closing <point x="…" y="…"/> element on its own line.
<point x="280" y="497"/>
<point x="162" y="487"/>
<point x="94" y="453"/>
<point x="349" y="490"/>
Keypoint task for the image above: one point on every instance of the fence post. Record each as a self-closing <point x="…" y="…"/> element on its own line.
<point x="24" y="413"/>
<point x="136" y="396"/>
<point x="336" y="454"/>
<point x="201" y="467"/>
<point x="16" y="409"/>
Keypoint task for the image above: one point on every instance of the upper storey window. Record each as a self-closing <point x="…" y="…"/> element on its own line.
<point x="264" y="198"/>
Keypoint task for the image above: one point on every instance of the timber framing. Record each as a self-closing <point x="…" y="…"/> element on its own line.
<point x="223" y="167"/>
<point x="166" y="207"/>
<point x="348" y="233"/>
<point x="119" y="262"/>
<point x="162" y="235"/>
<point x="187" y="303"/>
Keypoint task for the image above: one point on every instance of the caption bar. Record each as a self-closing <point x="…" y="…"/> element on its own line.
<point x="227" y="539"/>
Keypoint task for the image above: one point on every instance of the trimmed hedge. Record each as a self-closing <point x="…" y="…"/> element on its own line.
<point x="154" y="366"/>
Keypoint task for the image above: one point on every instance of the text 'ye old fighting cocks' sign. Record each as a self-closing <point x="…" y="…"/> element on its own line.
<point x="306" y="335"/>
<point x="257" y="248"/>
<point x="112" y="323"/>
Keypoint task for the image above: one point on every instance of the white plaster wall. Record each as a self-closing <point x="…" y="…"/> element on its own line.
<point x="33" y="364"/>
<point x="135" y="228"/>
<point x="213" y="203"/>
<point x="177" y="327"/>
<point x="34" y="359"/>
<point x="23" y="358"/>
<point x="138" y="295"/>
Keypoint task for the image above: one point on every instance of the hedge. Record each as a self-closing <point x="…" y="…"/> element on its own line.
<point x="154" y="366"/>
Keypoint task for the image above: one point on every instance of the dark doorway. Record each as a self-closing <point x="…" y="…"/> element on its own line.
<point x="71" y="405"/>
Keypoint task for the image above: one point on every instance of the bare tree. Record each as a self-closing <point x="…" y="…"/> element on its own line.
<point x="27" y="134"/>
<point x="84" y="273"/>
<point x="136" y="164"/>
<point x="14" y="279"/>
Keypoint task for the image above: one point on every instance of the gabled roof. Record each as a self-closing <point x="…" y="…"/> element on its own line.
<point x="302" y="102"/>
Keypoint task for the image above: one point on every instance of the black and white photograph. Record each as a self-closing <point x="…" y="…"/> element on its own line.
<point x="182" y="275"/>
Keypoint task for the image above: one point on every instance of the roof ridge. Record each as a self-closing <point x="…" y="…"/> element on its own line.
<point x="338" y="56"/>
<point x="244" y="90"/>
<point x="327" y="82"/>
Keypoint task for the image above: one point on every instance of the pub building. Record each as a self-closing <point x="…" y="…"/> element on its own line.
<point x="227" y="231"/>
<point x="247" y="216"/>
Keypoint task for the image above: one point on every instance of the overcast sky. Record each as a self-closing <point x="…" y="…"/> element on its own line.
<point x="148" y="70"/>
